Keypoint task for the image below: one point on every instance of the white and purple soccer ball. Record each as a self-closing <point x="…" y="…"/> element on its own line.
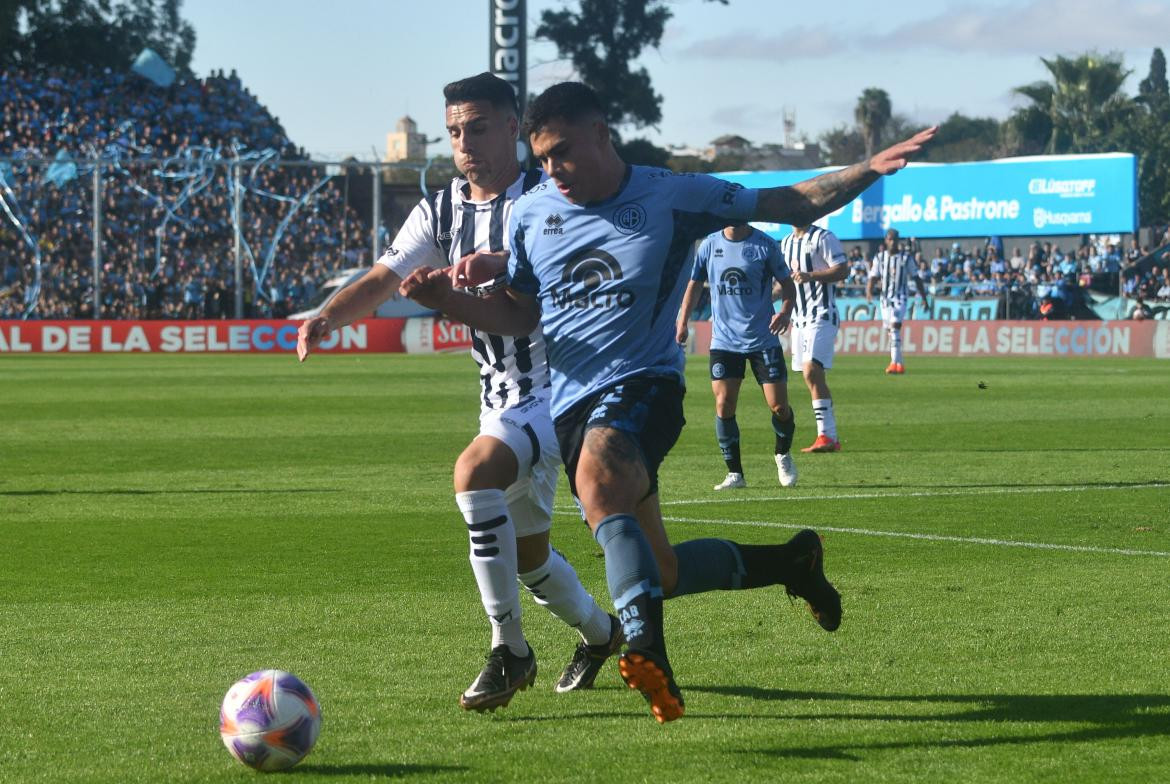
<point x="269" y="720"/>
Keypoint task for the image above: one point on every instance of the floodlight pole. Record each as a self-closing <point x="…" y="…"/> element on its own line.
<point x="376" y="174"/>
<point x="237" y="201"/>
<point x="97" y="239"/>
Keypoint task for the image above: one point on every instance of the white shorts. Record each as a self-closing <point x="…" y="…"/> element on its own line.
<point x="893" y="311"/>
<point x="527" y="429"/>
<point x="813" y="341"/>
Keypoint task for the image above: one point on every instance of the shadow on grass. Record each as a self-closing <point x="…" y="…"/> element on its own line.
<point x="1108" y="717"/>
<point x="386" y="770"/>
<point x="198" y="491"/>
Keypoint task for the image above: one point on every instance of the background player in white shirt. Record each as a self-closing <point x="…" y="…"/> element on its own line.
<point x="895" y="268"/>
<point x="505" y="480"/>
<point x="817" y="261"/>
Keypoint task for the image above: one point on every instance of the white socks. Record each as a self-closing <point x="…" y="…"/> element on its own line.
<point x="896" y="346"/>
<point x="493" y="561"/>
<point x="555" y="585"/>
<point x="826" y="422"/>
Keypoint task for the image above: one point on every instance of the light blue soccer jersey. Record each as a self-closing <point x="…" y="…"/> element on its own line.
<point x="609" y="276"/>
<point x="740" y="275"/>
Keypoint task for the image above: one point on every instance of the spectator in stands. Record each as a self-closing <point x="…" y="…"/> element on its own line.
<point x="50" y="110"/>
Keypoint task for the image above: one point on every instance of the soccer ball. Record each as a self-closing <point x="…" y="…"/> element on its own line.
<point x="269" y="720"/>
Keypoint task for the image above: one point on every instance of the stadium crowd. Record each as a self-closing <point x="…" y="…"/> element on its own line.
<point x="167" y="232"/>
<point x="1041" y="280"/>
<point x="167" y="236"/>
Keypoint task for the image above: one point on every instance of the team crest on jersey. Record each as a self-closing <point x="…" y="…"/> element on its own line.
<point x="735" y="283"/>
<point x="751" y="253"/>
<point x="587" y="282"/>
<point x="629" y="218"/>
<point x="553" y="224"/>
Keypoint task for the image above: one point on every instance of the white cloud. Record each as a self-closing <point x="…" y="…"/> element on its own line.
<point x="1034" y="28"/>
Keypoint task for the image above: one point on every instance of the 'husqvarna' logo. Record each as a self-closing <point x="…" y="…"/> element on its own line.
<point x="587" y="282"/>
<point x="734" y="282"/>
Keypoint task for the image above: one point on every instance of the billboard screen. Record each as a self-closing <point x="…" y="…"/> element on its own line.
<point x="1036" y="196"/>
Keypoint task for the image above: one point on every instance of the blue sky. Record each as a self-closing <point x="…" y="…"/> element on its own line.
<point x="339" y="74"/>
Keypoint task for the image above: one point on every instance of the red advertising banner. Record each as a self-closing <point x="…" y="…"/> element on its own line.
<point x="429" y="335"/>
<point x="994" y="338"/>
<point x="190" y="337"/>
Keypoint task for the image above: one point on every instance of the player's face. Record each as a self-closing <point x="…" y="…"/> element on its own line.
<point x="483" y="140"/>
<point x="892" y="241"/>
<point x="572" y="154"/>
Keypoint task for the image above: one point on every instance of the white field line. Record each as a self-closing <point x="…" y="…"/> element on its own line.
<point x="990" y="490"/>
<point x="911" y="535"/>
<point x="930" y="537"/>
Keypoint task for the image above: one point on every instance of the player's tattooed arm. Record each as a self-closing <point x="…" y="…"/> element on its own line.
<point x="804" y="202"/>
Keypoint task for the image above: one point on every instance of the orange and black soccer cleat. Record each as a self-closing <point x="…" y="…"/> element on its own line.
<point x="650" y="674"/>
<point x="823" y="444"/>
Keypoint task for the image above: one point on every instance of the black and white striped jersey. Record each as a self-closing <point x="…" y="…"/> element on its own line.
<point x="817" y="249"/>
<point x="442" y="228"/>
<point x="895" y="270"/>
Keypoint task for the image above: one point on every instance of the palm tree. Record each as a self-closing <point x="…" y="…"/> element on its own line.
<point x="1078" y="110"/>
<point x="872" y="115"/>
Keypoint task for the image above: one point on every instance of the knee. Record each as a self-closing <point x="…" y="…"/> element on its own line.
<point x="723" y="409"/>
<point x="531" y="552"/>
<point x="477" y="470"/>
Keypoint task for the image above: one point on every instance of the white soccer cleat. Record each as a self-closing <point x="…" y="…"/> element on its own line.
<point x="732" y="481"/>
<point x="786" y="470"/>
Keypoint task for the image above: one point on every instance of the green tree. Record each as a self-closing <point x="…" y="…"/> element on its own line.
<point x="963" y="138"/>
<point x="873" y="115"/>
<point x="1152" y="143"/>
<point x="85" y="34"/>
<point x="1079" y="110"/>
<point x="602" y="39"/>
<point x="842" y="145"/>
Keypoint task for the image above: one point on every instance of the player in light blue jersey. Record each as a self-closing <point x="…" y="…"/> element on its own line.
<point x="740" y="264"/>
<point x="598" y="258"/>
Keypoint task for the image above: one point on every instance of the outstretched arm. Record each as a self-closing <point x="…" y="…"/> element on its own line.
<point x="350" y="304"/>
<point x="804" y="202"/>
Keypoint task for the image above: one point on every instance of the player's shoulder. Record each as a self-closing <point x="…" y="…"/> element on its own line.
<point x="534" y="195"/>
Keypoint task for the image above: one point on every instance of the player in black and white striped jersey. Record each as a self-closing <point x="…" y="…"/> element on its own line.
<point x="448" y="225"/>
<point x="817" y="261"/>
<point x="894" y="268"/>
<point x="505" y="480"/>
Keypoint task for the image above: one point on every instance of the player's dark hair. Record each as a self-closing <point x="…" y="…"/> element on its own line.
<point x="567" y="101"/>
<point x="482" y="87"/>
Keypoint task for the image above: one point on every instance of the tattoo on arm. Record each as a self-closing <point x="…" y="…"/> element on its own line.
<point x="804" y="202"/>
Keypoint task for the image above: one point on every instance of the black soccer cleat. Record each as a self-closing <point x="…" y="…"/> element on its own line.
<point x="650" y="673"/>
<point x="503" y="675"/>
<point x="587" y="660"/>
<point x="809" y="582"/>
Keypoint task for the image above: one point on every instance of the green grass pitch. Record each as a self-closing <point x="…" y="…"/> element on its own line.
<point x="169" y="524"/>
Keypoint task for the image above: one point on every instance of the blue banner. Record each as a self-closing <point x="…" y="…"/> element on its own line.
<point x="1035" y="196"/>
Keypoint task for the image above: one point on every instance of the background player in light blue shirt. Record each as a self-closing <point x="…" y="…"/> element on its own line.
<point x="598" y="258"/>
<point x="739" y="264"/>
